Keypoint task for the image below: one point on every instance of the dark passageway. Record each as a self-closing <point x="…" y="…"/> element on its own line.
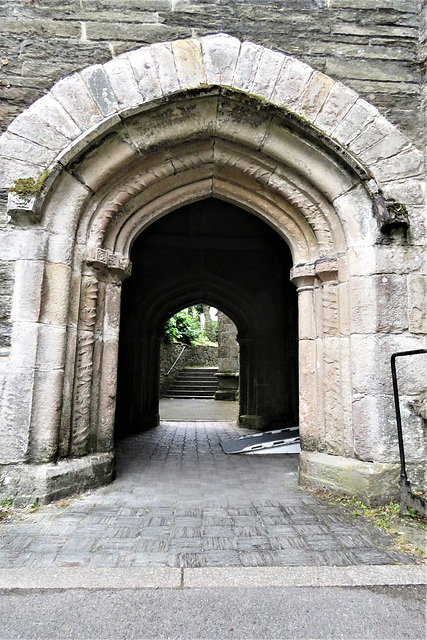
<point x="213" y="252"/>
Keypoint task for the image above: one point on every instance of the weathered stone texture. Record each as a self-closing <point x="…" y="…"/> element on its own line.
<point x="228" y="347"/>
<point x="370" y="45"/>
<point x="352" y="280"/>
<point x="6" y="287"/>
<point x="195" y="356"/>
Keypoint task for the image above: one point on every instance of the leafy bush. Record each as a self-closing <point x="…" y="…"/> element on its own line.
<point x="183" y="327"/>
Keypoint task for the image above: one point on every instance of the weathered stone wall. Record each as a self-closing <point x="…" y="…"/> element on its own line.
<point x="228" y="347"/>
<point x="196" y="356"/>
<point x="423" y="66"/>
<point x="371" y="45"/>
<point x="228" y="359"/>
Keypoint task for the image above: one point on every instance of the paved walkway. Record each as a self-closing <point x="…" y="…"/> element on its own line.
<point x="179" y="501"/>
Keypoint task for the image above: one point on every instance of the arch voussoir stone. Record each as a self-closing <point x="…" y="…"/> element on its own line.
<point x="81" y="102"/>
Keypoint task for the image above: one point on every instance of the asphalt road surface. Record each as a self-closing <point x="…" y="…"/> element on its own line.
<point x="376" y="612"/>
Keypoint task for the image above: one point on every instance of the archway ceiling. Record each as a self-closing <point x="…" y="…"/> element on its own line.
<point x="181" y="293"/>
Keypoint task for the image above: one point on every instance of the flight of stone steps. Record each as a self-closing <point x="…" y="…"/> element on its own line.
<point x="199" y="382"/>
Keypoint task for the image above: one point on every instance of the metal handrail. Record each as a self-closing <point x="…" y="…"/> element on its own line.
<point x="180" y="354"/>
<point x="406" y="493"/>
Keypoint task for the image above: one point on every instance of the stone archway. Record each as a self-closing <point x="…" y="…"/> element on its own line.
<point x="128" y="142"/>
<point x="213" y="252"/>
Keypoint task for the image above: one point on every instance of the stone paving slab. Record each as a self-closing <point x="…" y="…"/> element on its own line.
<point x="179" y="502"/>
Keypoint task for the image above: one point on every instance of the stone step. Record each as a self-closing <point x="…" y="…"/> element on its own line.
<point x="183" y="389"/>
<point x="181" y="396"/>
<point x="191" y="380"/>
<point x="194" y="383"/>
<point x="196" y="376"/>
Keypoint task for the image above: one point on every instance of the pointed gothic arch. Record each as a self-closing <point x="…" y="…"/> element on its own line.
<point x="121" y="144"/>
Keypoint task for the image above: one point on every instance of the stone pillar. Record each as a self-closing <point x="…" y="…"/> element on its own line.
<point x="245" y="380"/>
<point x="331" y="362"/>
<point x="308" y="398"/>
<point x="108" y="366"/>
<point x="84" y="365"/>
<point x="18" y="391"/>
<point x="228" y="359"/>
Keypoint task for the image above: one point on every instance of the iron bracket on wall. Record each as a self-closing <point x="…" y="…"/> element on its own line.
<point x="408" y="499"/>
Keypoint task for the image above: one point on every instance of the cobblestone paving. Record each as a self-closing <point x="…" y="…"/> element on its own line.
<point x="179" y="501"/>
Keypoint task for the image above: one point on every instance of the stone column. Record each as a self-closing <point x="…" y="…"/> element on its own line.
<point x="18" y="391"/>
<point x="81" y="418"/>
<point x="304" y="280"/>
<point x="331" y="362"/>
<point x="228" y="359"/>
<point x="108" y="366"/>
<point x="49" y="376"/>
<point x="245" y="377"/>
<point x="95" y="379"/>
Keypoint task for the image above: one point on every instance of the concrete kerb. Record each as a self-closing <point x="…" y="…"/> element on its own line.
<point x="49" y="579"/>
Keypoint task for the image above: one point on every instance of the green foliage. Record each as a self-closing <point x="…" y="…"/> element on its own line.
<point x="386" y="517"/>
<point x="36" y="505"/>
<point x="183" y="327"/>
<point x="6" y="508"/>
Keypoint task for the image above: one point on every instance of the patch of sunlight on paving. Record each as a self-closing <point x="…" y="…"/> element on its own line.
<point x="198" y="409"/>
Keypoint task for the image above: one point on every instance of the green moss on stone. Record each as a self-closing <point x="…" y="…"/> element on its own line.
<point x="29" y="186"/>
<point x="397" y="209"/>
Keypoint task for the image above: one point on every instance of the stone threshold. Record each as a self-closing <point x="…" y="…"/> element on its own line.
<point x="210" y="577"/>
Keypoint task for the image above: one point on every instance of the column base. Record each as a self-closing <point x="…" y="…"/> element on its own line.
<point x="228" y="386"/>
<point x="372" y="482"/>
<point x="25" y="483"/>
<point x="264" y="423"/>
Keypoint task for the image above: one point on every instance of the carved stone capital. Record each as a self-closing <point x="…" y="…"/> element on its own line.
<point x="390" y="214"/>
<point x="327" y="269"/>
<point x="303" y="276"/>
<point x="23" y="209"/>
<point x="116" y="263"/>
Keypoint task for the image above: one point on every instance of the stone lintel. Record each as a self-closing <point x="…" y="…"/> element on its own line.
<point x="373" y="482"/>
<point x="47" y="482"/>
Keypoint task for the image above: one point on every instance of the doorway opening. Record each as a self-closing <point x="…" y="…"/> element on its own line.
<point x="215" y="253"/>
<point x="199" y="366"/>
<point x="189" y="354"/>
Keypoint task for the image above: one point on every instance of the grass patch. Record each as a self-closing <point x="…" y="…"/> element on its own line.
<point x="6" y="508"/>
<point x="386" y="517"/>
